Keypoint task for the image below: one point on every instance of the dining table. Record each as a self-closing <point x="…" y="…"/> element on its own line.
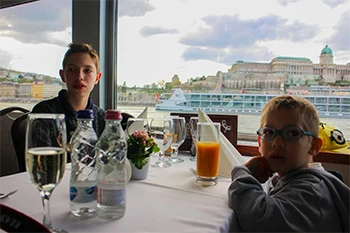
<point x="168" y="200"/>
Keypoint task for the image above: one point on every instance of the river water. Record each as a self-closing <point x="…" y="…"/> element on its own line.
<point x="246" y="123"/>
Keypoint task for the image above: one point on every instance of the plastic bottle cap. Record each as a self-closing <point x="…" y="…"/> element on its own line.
<point x="113" y="115"/>
<point x="85" y="114"/>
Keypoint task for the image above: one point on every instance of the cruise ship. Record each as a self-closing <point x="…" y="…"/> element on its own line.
<point x="335" y="106"/>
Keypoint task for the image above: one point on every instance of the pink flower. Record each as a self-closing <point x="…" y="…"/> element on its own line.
<point x="141" y="137"/>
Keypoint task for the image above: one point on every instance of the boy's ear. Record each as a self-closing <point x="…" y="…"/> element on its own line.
<point x="62" y="76"/>
<point x="98" y="76"/>
<point x="315" y="147"/>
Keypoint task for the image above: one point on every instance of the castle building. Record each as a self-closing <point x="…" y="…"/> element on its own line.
<point x="286" y="71"/>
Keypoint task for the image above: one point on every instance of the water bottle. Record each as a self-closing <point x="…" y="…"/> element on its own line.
<point x="83" y="177"/>
<point x="112" y="175"/>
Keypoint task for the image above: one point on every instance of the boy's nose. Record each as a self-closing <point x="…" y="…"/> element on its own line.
<point x="278" y="141"/>
<point x="81" y="75"/>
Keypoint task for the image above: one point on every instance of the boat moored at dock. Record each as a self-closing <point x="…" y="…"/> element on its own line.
<point x="337" y="106"/>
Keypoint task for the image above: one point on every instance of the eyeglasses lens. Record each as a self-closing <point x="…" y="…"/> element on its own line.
<point x="289" y="133"/>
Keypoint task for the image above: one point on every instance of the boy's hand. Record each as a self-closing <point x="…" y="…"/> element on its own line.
<point x="259" y="168"/>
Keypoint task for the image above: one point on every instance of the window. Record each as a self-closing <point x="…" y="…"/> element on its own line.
<point x="33" y="39"/>
<point x="160" y="43"/>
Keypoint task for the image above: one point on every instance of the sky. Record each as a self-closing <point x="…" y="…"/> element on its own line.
<point x="191" y="38"/>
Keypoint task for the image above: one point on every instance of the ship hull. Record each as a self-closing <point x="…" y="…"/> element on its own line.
<point x="252" y="104"/>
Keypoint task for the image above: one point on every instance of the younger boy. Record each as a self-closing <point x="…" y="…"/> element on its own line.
<point x="300" y="198"/>
<point x="81" y="72"/>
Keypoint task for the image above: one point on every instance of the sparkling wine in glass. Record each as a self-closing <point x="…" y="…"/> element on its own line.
<point x="161" y="130"/>
<point x="46" y="142"/>
<point x="193" y="130"/>
<point x="179" y="125"/>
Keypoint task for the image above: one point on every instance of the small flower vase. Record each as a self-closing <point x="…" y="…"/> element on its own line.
<point x="139" y="174"/>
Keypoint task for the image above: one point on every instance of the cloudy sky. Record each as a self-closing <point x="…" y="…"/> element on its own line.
<point x="190" y="38"/>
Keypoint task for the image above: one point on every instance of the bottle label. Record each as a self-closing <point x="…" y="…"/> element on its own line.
<point x="111" y="197"/>
<point x="82" y="194"/>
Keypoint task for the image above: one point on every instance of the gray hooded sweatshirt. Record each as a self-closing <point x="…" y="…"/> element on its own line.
<point x="304" y="200"/>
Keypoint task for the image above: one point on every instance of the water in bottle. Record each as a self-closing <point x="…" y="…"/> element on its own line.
<point x="83" y="177"/>
<point x="112" y="175"/>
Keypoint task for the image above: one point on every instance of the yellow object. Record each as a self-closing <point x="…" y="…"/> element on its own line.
<point x="333" y="139"/>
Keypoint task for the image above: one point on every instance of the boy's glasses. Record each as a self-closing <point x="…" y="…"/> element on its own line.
<point x="289" y="133"/>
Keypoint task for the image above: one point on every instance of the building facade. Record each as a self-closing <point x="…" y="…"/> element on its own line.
<point x="37" y="91"/>
<point x="285" y="71"/>
<point x="51" y="90"/>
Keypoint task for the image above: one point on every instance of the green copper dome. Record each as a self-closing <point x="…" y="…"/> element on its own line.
<point x="326" y="50"/>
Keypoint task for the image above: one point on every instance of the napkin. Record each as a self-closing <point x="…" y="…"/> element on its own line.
<point x="137" y="125"/>
<point x="229" y="156"/>
<point x="143" y="114"/>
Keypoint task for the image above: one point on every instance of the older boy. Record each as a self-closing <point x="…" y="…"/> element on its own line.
<point x="300" y="198"/>
<point x="81" y="72"/>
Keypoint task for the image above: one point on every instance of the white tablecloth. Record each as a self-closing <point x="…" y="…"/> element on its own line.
<point x="167" y="201"/>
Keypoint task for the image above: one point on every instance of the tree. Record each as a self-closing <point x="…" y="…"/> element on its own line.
<point x="161" y="84"/>
<point x="154" y="86"/>
<point x="124" y="87"/>
<point x="169" y="86"/>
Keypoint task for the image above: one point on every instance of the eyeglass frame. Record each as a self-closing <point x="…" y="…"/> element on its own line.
<point x="279" y="132"/>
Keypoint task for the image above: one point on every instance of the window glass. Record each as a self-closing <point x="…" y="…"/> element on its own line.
<point x="250" y="49"/>
<point x="33" y="39"/>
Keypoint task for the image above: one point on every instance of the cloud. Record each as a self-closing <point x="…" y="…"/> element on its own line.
<point x="334" y="3"/>
<point x="194" y="53"/>
<point x="286" y="2"/>
<point x="340" y="40"/>
<point x="147" y="31"/>
<point x="229" y="31"/>
<point x="33" y="22"/>
<point x="252" y="53"/>
<point x="235" y="38"/>
<point x="134" y="8"/>
<point x="5" y="59"/>
<point x="330" y="3"/>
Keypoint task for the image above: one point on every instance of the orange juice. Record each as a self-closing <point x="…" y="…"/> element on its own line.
<point x="208" y="158"/>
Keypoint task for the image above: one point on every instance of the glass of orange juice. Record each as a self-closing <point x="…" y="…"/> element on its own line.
<point x="208" y="153"/>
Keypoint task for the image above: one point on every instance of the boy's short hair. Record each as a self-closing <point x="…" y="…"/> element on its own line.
<point x="81" y="48"/>
<point x="308" y="112"/>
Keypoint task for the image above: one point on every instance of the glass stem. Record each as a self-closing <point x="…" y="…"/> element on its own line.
<point x="161" y="156"/>
<point x="45" y="198"/>
<point x="174" y="153"/>
<point x="193" y="149"/>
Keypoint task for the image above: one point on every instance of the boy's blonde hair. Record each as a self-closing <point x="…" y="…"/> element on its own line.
<point x="81" y="48"/>
<point x="305" y="108"/>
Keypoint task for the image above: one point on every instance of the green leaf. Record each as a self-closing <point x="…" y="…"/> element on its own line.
<point x="155" y="149"/>
<point x="139" y="162"/>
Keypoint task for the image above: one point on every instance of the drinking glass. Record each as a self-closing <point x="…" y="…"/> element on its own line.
<point x="193" y="130"/>
<point x="161" y="130"/>
<point x="179" y="125"/>
<point x="208" y="152"/>
<point x="134" y="124"/>
<point x="46" y="142"/>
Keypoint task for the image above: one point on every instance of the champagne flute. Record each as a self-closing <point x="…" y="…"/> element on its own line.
<point x="179" y="137"/>
<point x="161" y="130"/>
<point x="46" y="147"/>
<point x="193" y="130"/>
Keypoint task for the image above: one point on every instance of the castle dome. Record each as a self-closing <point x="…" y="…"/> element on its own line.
<point x="326" y="50"/>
